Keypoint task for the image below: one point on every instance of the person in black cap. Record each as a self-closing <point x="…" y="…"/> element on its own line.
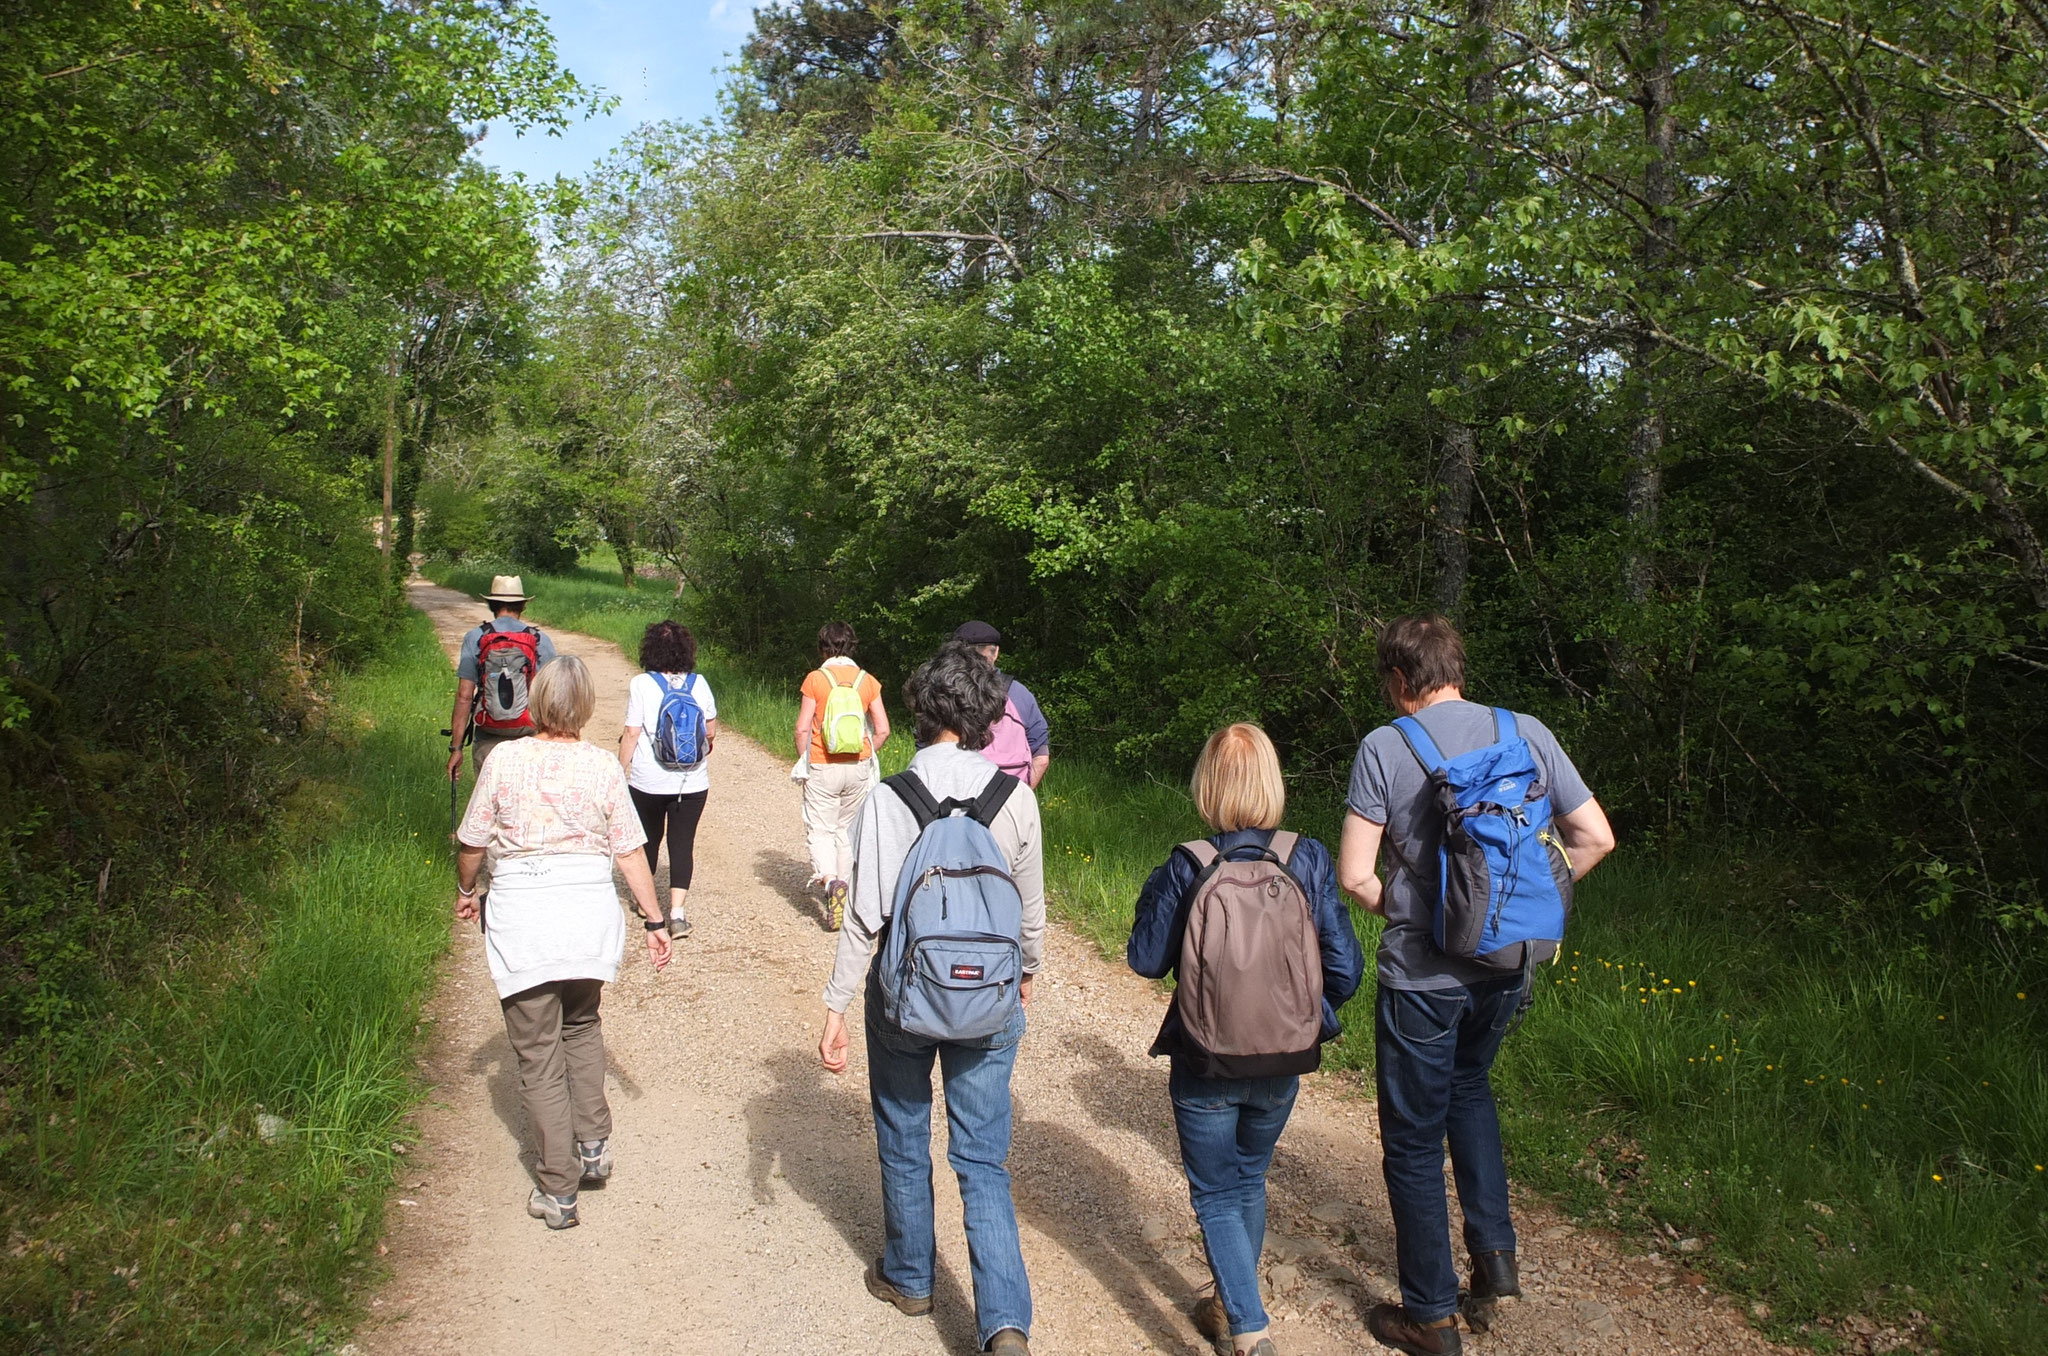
<point x="1021" y="742"/>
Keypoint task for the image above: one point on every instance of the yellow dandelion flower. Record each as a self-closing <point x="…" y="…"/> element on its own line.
<point x="1770" y="1068"/>
<point x="1692" y="983"/>
<point x="1937" y="1177"/>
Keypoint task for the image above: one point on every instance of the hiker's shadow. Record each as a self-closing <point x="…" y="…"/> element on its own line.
<point x="790" y="877"/>
<point x="1310" y="1169"/>
<point x="810" y="1133"/>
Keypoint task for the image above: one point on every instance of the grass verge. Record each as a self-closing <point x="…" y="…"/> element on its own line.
<point x="201" y="1165"/>
<point x="1845" y="1127"/>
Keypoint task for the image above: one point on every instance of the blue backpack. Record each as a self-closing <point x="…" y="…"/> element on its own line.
<point x="679" y="728"/>
<point x="1504" y="883"/>
<point x="951" y="960"/>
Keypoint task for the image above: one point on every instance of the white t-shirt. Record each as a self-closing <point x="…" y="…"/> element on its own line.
<point x="643" y="710"/>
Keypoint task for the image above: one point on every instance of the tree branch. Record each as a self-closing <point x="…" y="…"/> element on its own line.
<point x="1266" y="174"/>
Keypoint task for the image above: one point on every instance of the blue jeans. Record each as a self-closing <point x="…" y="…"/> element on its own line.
<point x="977" y="1075"/>
<point x="1228" y="1127"/>
<point x="1435" y="1050"/>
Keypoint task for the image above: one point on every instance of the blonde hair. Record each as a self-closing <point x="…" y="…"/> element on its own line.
<point x="1237" y="782"/>
<point x="563" y="697"/>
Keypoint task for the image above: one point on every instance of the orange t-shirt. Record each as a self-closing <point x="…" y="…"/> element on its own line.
<point x="817" y="686"/>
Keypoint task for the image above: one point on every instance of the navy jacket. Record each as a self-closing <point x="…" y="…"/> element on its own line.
<point x="1154" y="949"/>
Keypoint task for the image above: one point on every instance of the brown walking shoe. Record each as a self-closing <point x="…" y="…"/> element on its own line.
<point x="1391" y="1324"/>
<point x="917" y="1306"/>
<point x="1210" y="1319"/>
<point x="1009" y="1340"/>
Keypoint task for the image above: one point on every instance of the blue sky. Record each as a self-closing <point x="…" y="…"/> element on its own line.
<point x="661" y="60"/>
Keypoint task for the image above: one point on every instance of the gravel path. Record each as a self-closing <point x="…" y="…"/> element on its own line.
<point x="745" y="1201"/>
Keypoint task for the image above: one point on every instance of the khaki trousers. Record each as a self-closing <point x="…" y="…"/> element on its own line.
<point x="555" y="1033"/>
<point x="832" y="801"/>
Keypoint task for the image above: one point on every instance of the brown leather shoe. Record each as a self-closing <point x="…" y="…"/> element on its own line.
<point x="1210" y="1319"/>
<point x="1391" y="1324"/>
<point x="1011" y="1341"/>
<point x="917" y="1306"/>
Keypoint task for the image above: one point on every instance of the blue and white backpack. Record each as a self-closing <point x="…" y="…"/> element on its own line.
<point x="1504" y="883"/>
<point x="679" y="727"/>
<point x="951" y="958"/>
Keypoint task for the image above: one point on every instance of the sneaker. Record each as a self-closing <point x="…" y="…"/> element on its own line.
<point x="1494" y="1277"/>
<point x="917" y="1306"/>
<point x="1010" y="1340"/>
<point x="1210" y="1319"/>
<point x="558" y="1211"/>
<point x="1393" y="1327"/>
<point x="678" y="925"/>
<point x="835" y="905"/>
<point x="597" y="1160"/>
<point x="1263" y="1347"/>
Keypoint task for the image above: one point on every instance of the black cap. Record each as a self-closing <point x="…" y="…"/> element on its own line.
<point x="978" y="633"/>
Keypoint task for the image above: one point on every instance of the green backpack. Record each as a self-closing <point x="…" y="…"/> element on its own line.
<point x="845" y="716"/>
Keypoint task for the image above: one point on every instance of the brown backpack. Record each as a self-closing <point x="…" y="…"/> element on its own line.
<point x="1250" y="982"/>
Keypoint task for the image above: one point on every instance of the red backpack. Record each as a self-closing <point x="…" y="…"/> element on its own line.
<point x="506" y="662"/>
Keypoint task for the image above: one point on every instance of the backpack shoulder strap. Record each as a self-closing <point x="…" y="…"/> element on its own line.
<point x="690" y="682"/>
<point x="1202" y="850"/>
<point x="1282" y="845"/>
<point x="1504" y="727"/>
<point x="911" y="791"/>
<point x="992" y="799"/>
<point x="1420" y="744"/>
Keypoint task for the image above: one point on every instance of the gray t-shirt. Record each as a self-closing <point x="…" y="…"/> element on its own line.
<point x="465" y="663"/>
<point x="1390" y="787"/>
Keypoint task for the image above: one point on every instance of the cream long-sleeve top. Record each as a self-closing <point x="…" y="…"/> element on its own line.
<point x="882" y="838"/>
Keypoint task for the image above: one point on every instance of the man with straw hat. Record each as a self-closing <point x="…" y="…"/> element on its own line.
<point x="498" y="663"/>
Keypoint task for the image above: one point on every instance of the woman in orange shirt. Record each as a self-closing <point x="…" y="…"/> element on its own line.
<point x="838" y="783"/>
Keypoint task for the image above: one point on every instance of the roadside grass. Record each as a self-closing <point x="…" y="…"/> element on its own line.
<point x="1843" y="1125"/>
<point x="151" y="1203"/>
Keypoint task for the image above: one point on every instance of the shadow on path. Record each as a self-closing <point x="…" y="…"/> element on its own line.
<point x="810" y="1133"/>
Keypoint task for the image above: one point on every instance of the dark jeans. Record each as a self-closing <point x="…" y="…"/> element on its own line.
<point x="1435" y="1049"/>
<point x="681" y="813"/>
<point x="1228" y="1127"/>
<point x="977" y="1078"/>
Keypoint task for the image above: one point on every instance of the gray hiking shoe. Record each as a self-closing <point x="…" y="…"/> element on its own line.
<point x="597" y="1160"/>
<point x="558" y="1212"/>
<point x="678" y="926"/>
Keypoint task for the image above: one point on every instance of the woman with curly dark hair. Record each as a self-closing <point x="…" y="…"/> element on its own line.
<point x="671" y="725"/>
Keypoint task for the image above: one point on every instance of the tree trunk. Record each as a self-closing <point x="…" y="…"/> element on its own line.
<point x="1643" y="484"/>
<point x="1457" y="468"/>
<point x="390" y="452"/>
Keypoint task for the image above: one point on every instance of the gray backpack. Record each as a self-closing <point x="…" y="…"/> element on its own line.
<point x="1250" y="980"/>
<point x="952" y="957"/>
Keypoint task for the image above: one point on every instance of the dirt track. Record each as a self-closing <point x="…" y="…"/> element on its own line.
<point x="745" y="1202"/>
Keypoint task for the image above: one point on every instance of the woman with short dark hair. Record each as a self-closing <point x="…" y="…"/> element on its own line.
<point x="668" y="791"/>
<point x="956" y="696"/>
<point x="841" y="725"/>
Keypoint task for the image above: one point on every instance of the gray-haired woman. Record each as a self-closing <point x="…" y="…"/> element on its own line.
<point x="554" y="814"/>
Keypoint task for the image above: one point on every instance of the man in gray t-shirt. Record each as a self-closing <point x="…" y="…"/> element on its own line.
<point x="1389" y="787"/>
<point x="1439" y="1020"/>
<point x="508" y="598"/>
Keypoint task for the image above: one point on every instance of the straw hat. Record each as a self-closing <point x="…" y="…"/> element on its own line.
<point x="506" y="588"/>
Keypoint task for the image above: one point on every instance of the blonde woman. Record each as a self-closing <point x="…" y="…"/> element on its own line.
<point x="554" y="815"/>
<point x="1229" y="1110"/>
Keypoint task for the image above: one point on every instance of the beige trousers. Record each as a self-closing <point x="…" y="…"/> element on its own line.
<point x="832" y="801"/>
<point x="555" y="1033"/>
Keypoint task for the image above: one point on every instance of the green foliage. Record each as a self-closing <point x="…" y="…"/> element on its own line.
<point x="149" y="1204"/>
<point x="240" y="247"/>
<point x="455" y="522"/>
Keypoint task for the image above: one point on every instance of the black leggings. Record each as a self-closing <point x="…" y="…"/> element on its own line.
<point x="682" y="813"/>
